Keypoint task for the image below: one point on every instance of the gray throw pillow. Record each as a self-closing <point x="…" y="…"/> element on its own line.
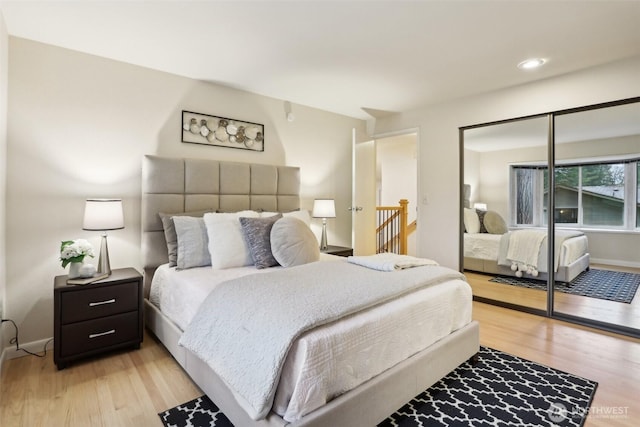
<point x="170" y="232"/>
<point x="494" y="223"/>
<point x="257" y="234"/>
<point x="193" y="249"/>
<point x="293" y="242"/>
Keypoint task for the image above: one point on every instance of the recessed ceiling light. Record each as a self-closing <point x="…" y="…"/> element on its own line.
<point x="529" y="64"/>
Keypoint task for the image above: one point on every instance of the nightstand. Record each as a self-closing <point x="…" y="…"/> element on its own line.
<point x="98" y="317"/>
<point x="337" y="250"/>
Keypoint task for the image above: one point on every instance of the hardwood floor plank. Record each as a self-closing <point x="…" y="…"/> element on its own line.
<point x="129" y="388"/>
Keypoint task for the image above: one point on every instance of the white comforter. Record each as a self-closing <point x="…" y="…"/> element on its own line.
<point x="268" y="315"/>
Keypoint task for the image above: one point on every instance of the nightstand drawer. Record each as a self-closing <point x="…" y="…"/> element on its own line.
<point x="86" y="304"/>
<point x="82" y="337"/>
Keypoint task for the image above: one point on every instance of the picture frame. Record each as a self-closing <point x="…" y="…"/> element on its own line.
<point x="205" y="129"/>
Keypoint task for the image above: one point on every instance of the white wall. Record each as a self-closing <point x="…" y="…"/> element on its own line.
<point x="4" y="68"/>
<point x="439" y="144"/>
<point x="79" y="126"/>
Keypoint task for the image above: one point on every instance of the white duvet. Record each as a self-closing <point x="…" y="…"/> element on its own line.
<point x="344" y="354"/>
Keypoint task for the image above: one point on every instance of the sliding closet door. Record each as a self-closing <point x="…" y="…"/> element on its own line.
<point x="597" y="159"/>
<point x="504" y="166"/>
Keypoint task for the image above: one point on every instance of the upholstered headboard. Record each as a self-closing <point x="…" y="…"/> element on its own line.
<point x="174" y="185"/>
<point x="467" y="196"/>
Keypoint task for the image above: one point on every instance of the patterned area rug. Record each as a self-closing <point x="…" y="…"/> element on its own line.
<point x="499" y="390"/>
<point x="615" y="286"/>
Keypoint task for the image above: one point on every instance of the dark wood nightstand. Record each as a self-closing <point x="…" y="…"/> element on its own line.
<point x="337" y="250"/>
<point x="98" y="317"/>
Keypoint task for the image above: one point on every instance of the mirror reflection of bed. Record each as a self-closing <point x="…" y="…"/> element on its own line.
<point x="498" y="161"/>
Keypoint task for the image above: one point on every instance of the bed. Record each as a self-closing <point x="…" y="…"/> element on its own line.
<point x="489" y="247"/>
<point x="338" y="389"/>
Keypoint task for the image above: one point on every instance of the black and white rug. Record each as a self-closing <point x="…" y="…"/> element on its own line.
<point x="500" y="389"/>
<point x="615" y="286"/>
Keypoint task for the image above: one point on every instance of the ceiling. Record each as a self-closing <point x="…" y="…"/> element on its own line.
<point x="602" y="123"/>
<point x="357" y="58"/>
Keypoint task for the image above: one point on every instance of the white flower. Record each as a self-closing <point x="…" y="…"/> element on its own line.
<point x="75" y="251"/>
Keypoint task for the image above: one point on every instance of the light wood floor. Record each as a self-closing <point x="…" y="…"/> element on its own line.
<point x="590" y="308"/>
<point x="130" y="388"/>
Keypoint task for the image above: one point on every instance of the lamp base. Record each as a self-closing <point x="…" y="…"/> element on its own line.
<point x="323" y="240"/>
<point x="104" y="267"/>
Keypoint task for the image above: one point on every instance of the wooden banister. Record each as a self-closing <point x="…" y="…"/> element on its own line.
<point x="393" y="231"/>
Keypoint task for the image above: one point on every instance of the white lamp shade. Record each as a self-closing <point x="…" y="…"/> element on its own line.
<point x="480" y="206"/>
<point x="324" y="208"/>
<point x="103" y="214"/>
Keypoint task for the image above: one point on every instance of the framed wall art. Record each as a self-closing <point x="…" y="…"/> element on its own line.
<point x="204" y="129"/>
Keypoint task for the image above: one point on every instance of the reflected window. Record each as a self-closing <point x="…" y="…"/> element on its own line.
<point x="590" y="195"/>
<point x="525" y="195"/>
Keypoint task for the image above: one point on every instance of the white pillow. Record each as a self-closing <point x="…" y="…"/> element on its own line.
<point x="301" y="214"/>
<point x="227" y="246"/>
<point x="471" y="221"/>
<point x="293" y="242"/>
<point x="192" y="242"/>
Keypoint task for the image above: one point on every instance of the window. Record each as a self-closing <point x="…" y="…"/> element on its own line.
<point x="602" y="195"/>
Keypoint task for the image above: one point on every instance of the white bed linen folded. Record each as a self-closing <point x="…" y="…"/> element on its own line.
<point x="389" y="261"/>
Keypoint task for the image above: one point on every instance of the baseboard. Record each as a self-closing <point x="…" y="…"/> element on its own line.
<point x="36" y="347"/>
<point x="615" y="262"/>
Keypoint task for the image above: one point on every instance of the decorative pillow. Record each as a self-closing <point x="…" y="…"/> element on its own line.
<point x="192" y="242"/>
<point x="257" y="233"/>
<point x="494" y="223"/>
<point x="471" y="221"/>
<point x="481" y="214"/>
<point x="301" y="214"/>
<point x="293" y="242"/>
<point x="227" y="245"/>
<point x="170" y="232"/>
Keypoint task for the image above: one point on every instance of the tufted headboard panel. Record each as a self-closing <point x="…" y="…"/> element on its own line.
<point x="174" y="185"/>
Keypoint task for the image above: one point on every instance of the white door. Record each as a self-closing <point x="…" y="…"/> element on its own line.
<point x="363" y="199"/>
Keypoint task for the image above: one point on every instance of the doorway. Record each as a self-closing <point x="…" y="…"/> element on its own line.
<point x="385" y="170"/>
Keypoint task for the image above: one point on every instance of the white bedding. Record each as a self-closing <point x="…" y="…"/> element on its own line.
<point x="482" y="245"/>
<point x="345" y="353"/>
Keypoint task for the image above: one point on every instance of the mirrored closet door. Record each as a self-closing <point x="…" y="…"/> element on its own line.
<point x="575" y="175"/>
<point x="597" y="158"/>
<point x="503" y="177"/>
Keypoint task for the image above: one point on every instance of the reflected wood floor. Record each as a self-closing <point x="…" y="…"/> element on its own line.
<point x="129" y="388"/>
<point x="576" y="305"/>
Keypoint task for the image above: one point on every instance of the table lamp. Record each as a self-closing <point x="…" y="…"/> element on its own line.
<point x="324" y="208"/>
<point x="103" y="215"/>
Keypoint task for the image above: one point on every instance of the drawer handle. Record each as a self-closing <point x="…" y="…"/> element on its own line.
<point x="101" y="334"/>
<point x="109" y="301"/>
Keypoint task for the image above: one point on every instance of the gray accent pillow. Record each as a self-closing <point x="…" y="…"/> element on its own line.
<point x="257" y="233"/>
<point x="293" y="242"/>
<point x="170" y="232"/>
<point x="481" y="214"/>
<point x="193" y="250"/>
<point x="494" y="223"/>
